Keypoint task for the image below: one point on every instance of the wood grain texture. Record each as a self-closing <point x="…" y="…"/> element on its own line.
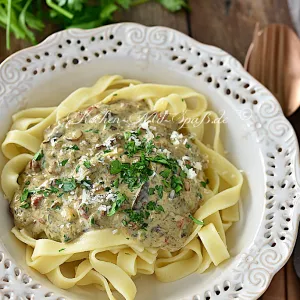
<point x="17" y="45"/>
<point x="151" y="14"/>
<point x="293" y="282"/>
<point x="230" y="24"/>
<point x="277" y="288"/>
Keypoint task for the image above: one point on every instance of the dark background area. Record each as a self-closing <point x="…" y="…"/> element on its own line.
<point x="228" y="24"/>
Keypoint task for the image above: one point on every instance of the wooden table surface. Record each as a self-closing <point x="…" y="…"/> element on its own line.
<point x="228" y="24"/>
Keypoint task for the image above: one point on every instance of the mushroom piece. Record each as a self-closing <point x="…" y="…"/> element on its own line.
<point x="141" y="197"/>
<point x="74" y="135"/>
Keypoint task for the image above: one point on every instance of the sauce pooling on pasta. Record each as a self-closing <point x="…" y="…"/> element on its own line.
<point x="113" y="166"/>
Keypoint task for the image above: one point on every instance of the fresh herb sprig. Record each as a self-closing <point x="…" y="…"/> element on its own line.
<point x="24" y="17"/>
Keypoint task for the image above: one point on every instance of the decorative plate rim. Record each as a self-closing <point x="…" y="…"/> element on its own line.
<point x="257" y="266"/>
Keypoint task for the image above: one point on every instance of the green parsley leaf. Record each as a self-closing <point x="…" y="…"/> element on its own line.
<point x="27" y="182"/>
<point x="86" y="183"/>
<point x="24" y="195"/>
<point x="93" y="221"/>
<point x="127" y="135"/>
<point x="204" y="183"/>
<point x="159" y="208"/>
<point x="66" y="238"/>
<point x="77" y="168"/>
<point x="151" y="191"/>
<point x="26" y="205"/>
<point x="157" y="137"/>
<point x="62" y="249"/>
<point x="116" y="205"/>
<point x="64" y="162"/>
<point x="159" y="189"/>
<point x="198" y="222"/>
<point x="107" y="151"/>
<point x="188" y="146"/>
<point x="87" y="164"/>
<point x="39" y="155"/>
<point x="151" y="205"/>
<point x="74" y="147"/>
<point x="165" y="173"/>
<point x="116" y="183"/>
<point x="199" y="195"/>
<point x="115" y="167"/>
<point x="69" y="184"/>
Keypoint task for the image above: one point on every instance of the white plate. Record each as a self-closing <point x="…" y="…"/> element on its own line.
<point x="259" y="140"/>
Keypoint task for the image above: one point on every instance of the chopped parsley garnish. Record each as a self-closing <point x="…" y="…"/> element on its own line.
<point x="157" y="137"/>
<point x="64" y="162"/>
<point x="27" y="182"/>
<point x="124" y="222"/>
<point x="138" y="217"/>
<point x="115" y="94"/>
<point x="74" y="147"/>
<point x="116" y="183"/>
<point x="38" y="156"/>
<point x="151" y="205"/>
<point x="66" y="238"/>
<point x="62" y="249"/>
<point x="188" y="146"/>
<point x="115" y="167"/>
<point x="199" y="195"/>
<point x="26" y="205"/>
<point x="86" y="183"/>
<point x="151" y="191"/>
<point x="92" y="130"/>
<point x="198" y="222"/>
<point x="135" y="174"/>
<point x="176" y="183"/>
<point x="77" y="168"/>
<point x="149" y="147"/>
<point x="117" y="204"/>
<point x="24" y="195"/>
<point x="53" y="190"/>
<point x="159" y="189"/>
<point x="87" y="164"/>
<point x="107" y="151"/>
<point x="68" y="184"/>
<point x="165" y="173"/>
<point x="93" y="221"/>
<point x="107" y="189"/>
<point x="204" y="183"/>
<point x="127" y="135"/>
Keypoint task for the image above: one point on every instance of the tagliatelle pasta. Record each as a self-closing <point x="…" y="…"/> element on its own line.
<point x="110" y="261"/>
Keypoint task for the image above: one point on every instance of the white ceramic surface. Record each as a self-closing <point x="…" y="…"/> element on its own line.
<point x="259" y="140"/>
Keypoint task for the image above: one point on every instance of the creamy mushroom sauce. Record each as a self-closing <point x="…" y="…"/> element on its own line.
<point x="113" y="166"/>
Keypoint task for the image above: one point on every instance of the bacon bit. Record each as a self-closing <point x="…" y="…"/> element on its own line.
<point x="180" y="223"/>
<point x="42" y="221"/>
<point x="187" y="185"/>
<point x="35" y="200"/>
